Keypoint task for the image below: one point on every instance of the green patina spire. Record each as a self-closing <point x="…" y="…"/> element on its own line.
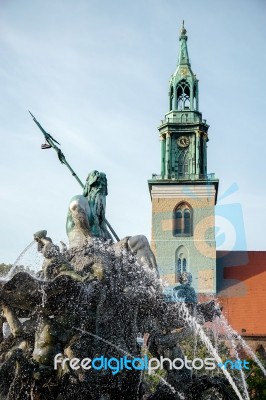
<point x="183" y="83"/>
<point x="183" y="58"/>
<point x="183" y="132"/>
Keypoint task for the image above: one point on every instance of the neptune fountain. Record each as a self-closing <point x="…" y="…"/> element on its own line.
<point x="75" y="325"/>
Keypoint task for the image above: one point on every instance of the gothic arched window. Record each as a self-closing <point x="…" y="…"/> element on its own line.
<point x="179" y="265"/>
<point x="195" y="104"/>
<point x="171" y="97"/>
<point x="182" y="220"/>
<point x="184" y="265"/>
<point x="183" y="95"/>
<point x="187" y="222"/>
<point x="178" y="222"/>
<point x="181" y="261"/>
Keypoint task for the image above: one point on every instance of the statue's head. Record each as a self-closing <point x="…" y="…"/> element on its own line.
<point x="92" y="177"/>
<point x="97" y="180"/>
<point x="185" y="278"/>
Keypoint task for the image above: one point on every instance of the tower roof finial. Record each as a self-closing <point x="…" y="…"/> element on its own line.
<point x="183" y="52"/>
<point x="183" y="30"/>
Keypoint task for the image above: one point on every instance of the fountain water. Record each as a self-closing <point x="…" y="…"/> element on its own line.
<point x="198" y="328"/>
<point x="217" y="329"/>
<point x="231" y="332"/>
<point x="29" y="259"/>
<point x="244" y="383"/>
<point x="181" y="395"/>
<point x="93" y="299"/>
<point x="106" y="296"/>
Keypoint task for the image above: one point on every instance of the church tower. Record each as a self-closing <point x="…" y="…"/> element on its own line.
<point x="184" y="194"/>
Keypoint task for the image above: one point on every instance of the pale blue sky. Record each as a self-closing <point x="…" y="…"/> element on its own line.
<point x="95" y="74"/>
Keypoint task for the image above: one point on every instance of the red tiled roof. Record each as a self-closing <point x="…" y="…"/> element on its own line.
<point x="241" y="289"/>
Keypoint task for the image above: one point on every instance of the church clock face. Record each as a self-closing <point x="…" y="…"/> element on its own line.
<point x="183" y="141"/>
